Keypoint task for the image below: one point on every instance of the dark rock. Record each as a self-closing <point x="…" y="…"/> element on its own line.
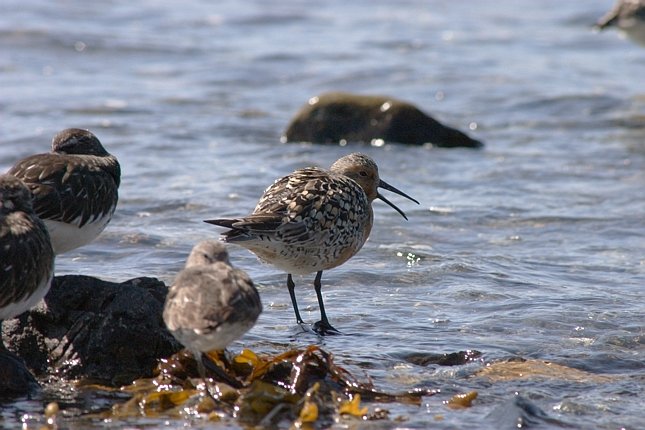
<point x="15" y="378"/>
<point x="450" y="359"/>
<point x="94" y="330"/>
<point x="333" y="117"/>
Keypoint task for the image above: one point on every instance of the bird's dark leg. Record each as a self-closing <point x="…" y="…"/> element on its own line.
<point x="219" y="373"/>
<point x="291" y="286"/>
<point x="322" y="327"/>
<point x="197" y="355"/>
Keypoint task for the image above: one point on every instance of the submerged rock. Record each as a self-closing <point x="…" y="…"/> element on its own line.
<point x="519" y="368"/>
<point x="334" y="117"/>
<point x="94" y="330"/>
<point x="519" y="412"/>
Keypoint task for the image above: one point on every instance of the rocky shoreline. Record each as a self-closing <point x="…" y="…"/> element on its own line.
<point x="87" y="328"/>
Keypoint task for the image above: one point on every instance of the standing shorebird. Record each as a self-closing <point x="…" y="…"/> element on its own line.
<point x="313" y="220"/>
<point x="210" y="304"/>
<point x="629" y="17"/>
<point x="75" y="187"/>
<point x="26" y="255"/>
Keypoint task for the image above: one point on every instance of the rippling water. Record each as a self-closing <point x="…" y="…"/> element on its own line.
<point x="533" y="247"/>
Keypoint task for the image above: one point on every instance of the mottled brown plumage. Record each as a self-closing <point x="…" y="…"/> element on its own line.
<point x="312" y="220"/>
<point x="75" y="187"/>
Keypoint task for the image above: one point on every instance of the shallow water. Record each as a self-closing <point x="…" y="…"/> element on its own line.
<point x="533" y="247"/>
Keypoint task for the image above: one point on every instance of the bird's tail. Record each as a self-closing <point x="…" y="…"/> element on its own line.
<point x="223" y="222"/>
<point x="234" y="234"/>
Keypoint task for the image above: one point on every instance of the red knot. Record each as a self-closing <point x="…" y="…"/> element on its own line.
<point x="211" y="304"/>
<point x="26" y="255"/>
<point x="313" y="220"/>
<point x="75" y="187"/>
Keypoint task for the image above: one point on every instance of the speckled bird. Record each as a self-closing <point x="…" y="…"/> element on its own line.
<point x="211" y="303"/>
<point x="74" y="187"/>
<point x="26" y="255"/>
<point x="313" y="220"/>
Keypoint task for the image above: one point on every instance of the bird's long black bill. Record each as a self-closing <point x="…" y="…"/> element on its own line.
<point x="386" y="186"/>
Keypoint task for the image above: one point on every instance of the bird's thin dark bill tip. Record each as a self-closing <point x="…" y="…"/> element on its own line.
<point x="386" y="186"/>
<point x="380" y="196"/>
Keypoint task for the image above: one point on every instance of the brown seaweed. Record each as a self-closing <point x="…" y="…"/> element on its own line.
<point x="301" y="387"/>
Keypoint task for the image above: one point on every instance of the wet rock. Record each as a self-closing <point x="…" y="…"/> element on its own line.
<point x="335" y="117"/>
<point x="94" y="330"/>
<point x="15" y="378"/>
<point x="450" y="359"/>
<point x="462" y="401"/>
<point x="518" y="368"/>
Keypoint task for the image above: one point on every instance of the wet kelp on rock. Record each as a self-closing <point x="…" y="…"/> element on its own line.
<point x="297" y="387"/>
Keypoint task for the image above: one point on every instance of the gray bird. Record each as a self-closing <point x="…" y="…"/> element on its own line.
<point x="211" y="303"/>
<point x="74" y="187"/>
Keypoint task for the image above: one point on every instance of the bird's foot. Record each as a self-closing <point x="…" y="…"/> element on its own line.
<point x="306" y="328"/>
<point x="323" y="328"/>
<point x="221" y="374"/>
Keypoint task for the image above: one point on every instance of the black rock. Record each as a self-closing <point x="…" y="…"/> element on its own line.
<point x="15" y="379"/>
<point x="450" y="359"/>
<point x="337" y="116"/>
<point x="94" y="330"/>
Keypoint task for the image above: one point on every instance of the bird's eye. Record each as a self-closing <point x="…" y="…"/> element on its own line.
<point x="363" y="173"/>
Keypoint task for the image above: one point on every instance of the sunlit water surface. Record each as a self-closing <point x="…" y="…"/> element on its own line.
<point x="533" y="247"/>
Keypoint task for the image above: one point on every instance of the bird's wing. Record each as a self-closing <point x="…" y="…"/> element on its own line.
<point x="67" y="190"/>
<point x="19" y="264"/>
